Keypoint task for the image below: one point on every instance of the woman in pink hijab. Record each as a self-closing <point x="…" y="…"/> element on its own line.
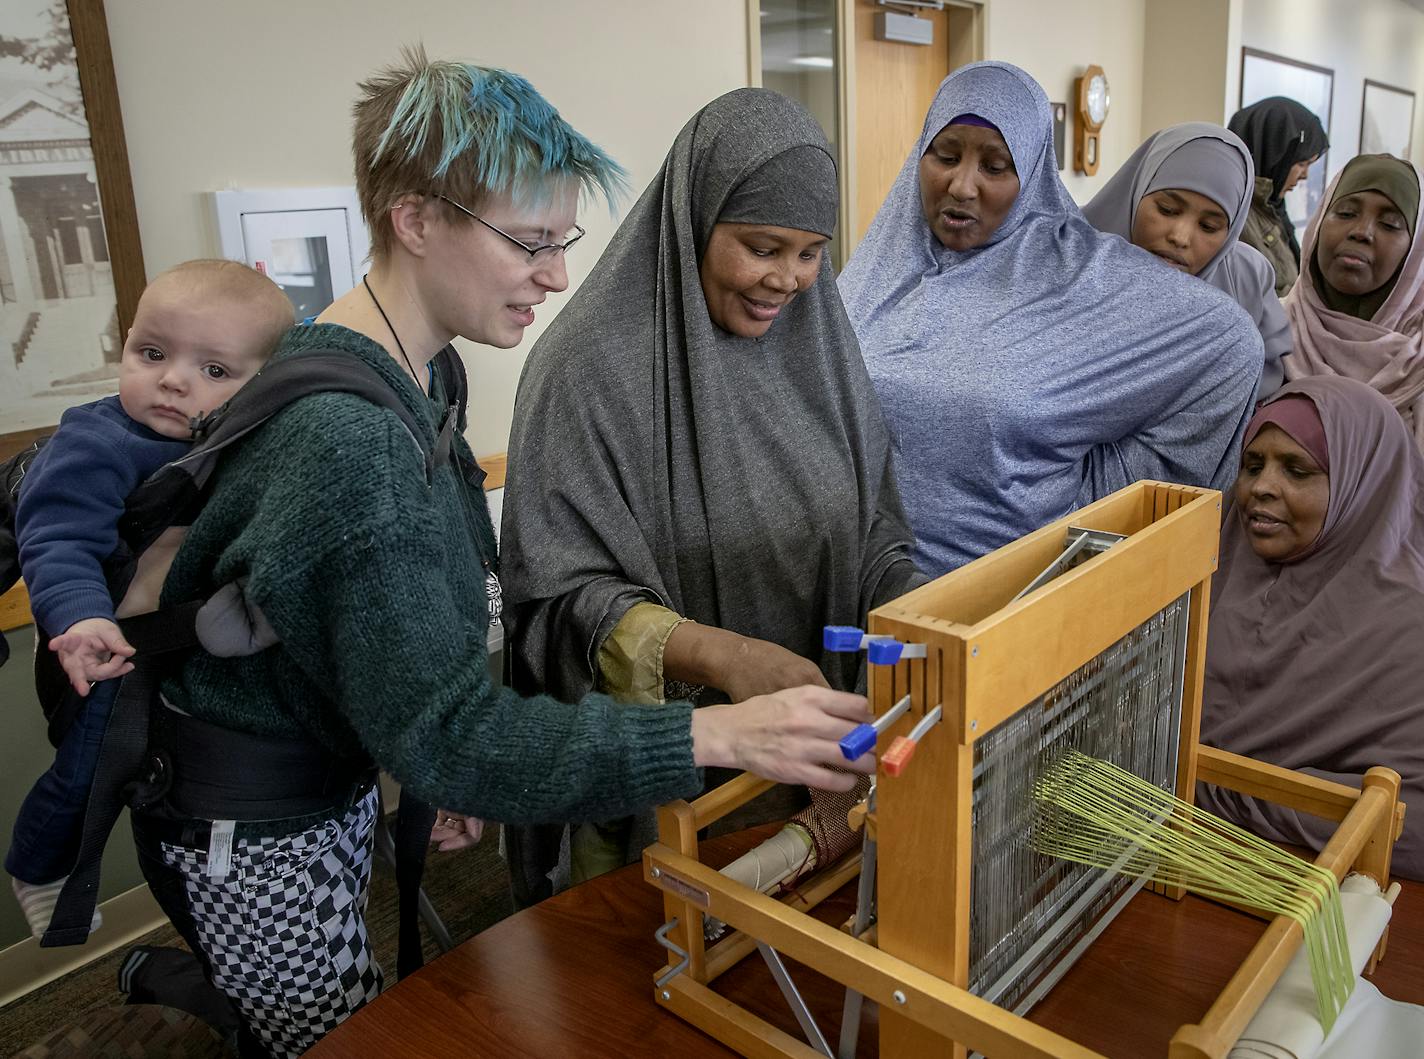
<point x="1358" y="308"/>
<point x="1315" y="647"/>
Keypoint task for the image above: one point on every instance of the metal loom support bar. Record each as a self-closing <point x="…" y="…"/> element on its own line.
<point x="794" y="1000"/>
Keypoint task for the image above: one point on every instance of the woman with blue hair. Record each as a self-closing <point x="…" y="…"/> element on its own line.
<point x="378" y="575"/>
<point x="1026" y="362"/>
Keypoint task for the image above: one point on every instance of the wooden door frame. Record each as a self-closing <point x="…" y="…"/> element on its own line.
<point x="845" y="59"/>
<point x="971" y="16"/>
<point x="973" y="22"/>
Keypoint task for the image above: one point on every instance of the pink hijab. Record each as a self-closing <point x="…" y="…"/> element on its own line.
<point x="1316" y="663"/>
<point x="1386" y="351"/>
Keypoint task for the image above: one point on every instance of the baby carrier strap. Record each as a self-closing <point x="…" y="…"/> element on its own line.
<point x="156" y="637"/>
<point x="173" y="494"/>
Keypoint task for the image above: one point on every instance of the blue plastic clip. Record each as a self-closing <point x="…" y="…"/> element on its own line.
<point x="861" y="740"/>
<point x="842" y="638"/>
<point x="884" y="652"/>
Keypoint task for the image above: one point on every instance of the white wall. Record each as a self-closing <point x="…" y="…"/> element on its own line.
<point x="1379" y="39"/>
<point x="1055" y="41"/>
<point x="1190" y="64"/>
<point x="217" y="94"/>
<point x="258" y="94"/>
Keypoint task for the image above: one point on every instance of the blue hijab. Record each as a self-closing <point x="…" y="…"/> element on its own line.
<point x="1046" y="368"/>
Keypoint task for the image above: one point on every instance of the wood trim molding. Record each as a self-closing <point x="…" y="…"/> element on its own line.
<point x="95" y="59"/>
<point x="495" y="467"/>
<point x="15" y="608"/>
<point x="25" y="966"/>
<point x="15" y="604"/>
<point x="753" y="8"/>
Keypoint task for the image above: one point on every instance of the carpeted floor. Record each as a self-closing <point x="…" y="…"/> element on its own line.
<point x="82" y="1014"/>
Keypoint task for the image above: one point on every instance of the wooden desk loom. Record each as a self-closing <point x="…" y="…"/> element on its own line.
<point x="1029" y="648"/>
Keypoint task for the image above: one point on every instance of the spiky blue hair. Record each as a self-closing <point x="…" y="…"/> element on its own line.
<point x="516" y="141"/>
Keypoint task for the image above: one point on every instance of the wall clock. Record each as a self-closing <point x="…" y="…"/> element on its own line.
<point x="1093" y="102"/>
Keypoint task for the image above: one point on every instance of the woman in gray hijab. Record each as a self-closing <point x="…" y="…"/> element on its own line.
<point x="699" y="474"/>
<point x="1185" y="196"/>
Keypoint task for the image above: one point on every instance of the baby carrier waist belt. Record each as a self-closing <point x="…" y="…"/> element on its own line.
<point x="206" y="772"/>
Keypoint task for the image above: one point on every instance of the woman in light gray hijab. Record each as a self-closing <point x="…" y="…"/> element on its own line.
<point x="1185" y="196"/>
<point x="699" y="474"/>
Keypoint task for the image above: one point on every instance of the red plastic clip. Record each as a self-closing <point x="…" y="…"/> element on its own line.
<point x="894" y="760"/>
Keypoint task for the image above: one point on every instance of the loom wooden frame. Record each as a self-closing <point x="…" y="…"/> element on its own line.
<point x="918" y="966"/>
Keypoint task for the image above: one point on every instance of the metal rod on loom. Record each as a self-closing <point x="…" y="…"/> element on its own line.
<point x="864" y="899"/>
<point x="794" y="1001"/>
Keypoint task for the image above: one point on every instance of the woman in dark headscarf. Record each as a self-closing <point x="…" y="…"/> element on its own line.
<point x="1317" y="608"/>
<point x="699" y="473"/>
<point x="1184" y="195"/>
<point x="1358" y="309"/>
<point x="1284" y="139"/>
<point x="1028" y="363"/>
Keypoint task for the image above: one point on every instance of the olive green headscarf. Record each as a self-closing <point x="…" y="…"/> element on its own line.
<point x="1395" y="180"/>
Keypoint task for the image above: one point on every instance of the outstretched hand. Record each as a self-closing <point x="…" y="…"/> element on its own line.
<point x="92" y="650"/>
<point x="790" y="736"/>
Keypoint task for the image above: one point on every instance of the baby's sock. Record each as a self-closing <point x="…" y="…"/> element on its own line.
<point x="37" y="901"/>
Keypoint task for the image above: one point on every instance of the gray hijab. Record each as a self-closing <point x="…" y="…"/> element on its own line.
<point x="743" y="483"/>
<point x="1197" y="156"/>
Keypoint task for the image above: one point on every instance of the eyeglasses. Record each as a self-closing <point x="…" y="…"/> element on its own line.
<point x="542" y="252"/>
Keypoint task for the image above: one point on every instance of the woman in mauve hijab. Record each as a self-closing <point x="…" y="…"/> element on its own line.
<point x="1317" y="609"/>
<point x="1358" y="309"/>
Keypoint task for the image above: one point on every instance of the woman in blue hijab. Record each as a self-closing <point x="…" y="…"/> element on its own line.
<point x="1027" y="363"/>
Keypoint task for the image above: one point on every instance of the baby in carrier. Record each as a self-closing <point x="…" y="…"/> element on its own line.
<point x="201" y="330"/>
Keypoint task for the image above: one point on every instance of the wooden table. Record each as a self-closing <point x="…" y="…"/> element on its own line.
<point x="573" y="977"/>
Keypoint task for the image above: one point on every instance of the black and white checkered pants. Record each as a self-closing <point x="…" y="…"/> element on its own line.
<point x="283" y="927"/>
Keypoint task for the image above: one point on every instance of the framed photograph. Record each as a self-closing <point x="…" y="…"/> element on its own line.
<point x="1386" y="120"/>
<point x="71" y="266"/>
<point x="1060" y="134"/>
<point x="1264" y="75"/>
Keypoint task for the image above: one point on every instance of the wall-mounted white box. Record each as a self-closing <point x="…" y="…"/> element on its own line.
<point x="311" y="241"/>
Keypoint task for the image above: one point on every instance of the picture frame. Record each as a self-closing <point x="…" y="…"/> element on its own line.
<point x="71" y="259"/>
<point x="1386" y="119"/>
<point x="1060" y="134"/>
<point x="1265" y="74"/>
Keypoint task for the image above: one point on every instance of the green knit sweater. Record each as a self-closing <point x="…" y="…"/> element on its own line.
<point x="374" y="582"/>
